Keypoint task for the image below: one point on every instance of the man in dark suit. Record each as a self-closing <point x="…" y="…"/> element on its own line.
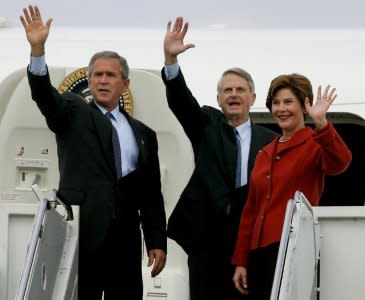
<point x="206" y="218"/>
<point x="115" y="194"/>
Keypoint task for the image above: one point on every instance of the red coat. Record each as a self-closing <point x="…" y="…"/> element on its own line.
<point x="301" y="164"/>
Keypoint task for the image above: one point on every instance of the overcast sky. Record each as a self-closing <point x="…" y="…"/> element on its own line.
<point x="200" y="13"/>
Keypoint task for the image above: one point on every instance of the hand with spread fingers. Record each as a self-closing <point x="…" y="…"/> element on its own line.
<point x="36" y="31"/>
<point x="174" y="40"/>
<point x="319" y="109"/>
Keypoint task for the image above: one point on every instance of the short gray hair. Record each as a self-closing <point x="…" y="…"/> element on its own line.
<point x="124" y="68"/>
<point x="241" y="73"/>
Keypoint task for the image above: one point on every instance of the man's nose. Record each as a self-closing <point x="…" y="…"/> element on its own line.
<point x="104" y="78"/>
<point x="234" y="92"/>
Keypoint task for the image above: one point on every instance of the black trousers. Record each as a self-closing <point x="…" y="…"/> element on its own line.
<point x="210" y="268"/>
<point x="114" y="268"/>
<point x="261" y="271"/>
<point x="210" y="277"/>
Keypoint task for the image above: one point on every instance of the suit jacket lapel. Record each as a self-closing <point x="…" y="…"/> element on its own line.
<point x="103" y="130"/>
<point x="229" y="149"/>
<point x="255" y="147"/>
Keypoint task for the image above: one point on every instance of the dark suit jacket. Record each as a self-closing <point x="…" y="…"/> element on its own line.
<point x="87" y="171"/>
<point x="200" y="211"/>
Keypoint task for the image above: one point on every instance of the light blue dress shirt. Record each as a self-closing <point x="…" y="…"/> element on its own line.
<point x="129" y="147"/>
<point x="244" y="132"/>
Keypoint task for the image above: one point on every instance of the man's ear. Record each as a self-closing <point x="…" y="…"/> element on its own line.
<point x="219" y="103"/>
<point x="125" y="84"/>
<point x="253" y="99"/>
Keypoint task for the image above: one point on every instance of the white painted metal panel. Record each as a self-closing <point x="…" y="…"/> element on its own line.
<point x="295" y="278"/>
<point x="342" y="252"/>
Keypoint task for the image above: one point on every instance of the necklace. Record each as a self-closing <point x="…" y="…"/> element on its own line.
<point x="284" y="139"/>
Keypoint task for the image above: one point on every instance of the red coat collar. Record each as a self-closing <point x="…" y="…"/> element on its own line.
<point x="299" y="137"/>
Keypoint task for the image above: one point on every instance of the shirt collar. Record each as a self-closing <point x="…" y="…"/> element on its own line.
<point x="114" y="112"/>
<point x="243" y="128"/>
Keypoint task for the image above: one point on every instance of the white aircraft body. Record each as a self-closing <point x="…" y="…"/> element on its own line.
<point x="28" y="150"/>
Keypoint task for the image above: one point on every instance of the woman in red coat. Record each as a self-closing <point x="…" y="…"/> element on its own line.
<point x="299" y="159"/>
